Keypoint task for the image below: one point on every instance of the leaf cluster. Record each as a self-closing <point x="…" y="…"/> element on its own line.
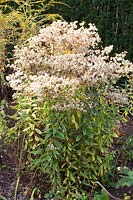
<point x="21" y="19"/>
<point x="72" y="148"/>
<point x="102" y="196"/>
<point x="126" y="179"/>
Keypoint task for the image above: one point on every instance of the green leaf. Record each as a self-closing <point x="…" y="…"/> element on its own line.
<point x="78" y="138"/>
<point x="33" y="115"/>
<point x="38" y="131"/>
<point x="102" y="196"/>
<point x="48" y="135"/>
<point x="74" y="121"/>
<point x="126" y="180"/>
<point x="60" y="135"/>
<point x="32" y="126"/>
<point x="2" y="197"/>
<point x="37" y="139"/>
<point x="72" y="177"/>
<point x="26" y="129"/>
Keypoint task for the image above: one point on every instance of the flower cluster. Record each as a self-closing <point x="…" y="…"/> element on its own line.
<point x="62" y="58"/>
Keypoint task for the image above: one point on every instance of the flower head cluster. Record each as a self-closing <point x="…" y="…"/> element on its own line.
<point x="62" y="58"/>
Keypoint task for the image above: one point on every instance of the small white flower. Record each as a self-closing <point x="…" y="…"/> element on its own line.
<point x="52" y="147"/>
<point x="118" y="168"/>
<point x="62" y="58"/>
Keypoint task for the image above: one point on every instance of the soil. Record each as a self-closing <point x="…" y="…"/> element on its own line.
<point x="27" y="183"/>
<point x="9" y="178"/>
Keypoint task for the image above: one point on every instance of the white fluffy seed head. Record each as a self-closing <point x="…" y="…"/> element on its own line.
<point x="61" y="59"/>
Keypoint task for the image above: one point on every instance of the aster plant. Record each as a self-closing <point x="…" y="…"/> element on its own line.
<point x="62" y="58"/>
<point x="67" y="105"/>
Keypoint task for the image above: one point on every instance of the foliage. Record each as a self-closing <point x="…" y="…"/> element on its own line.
<point x="126" y="178"/>
<point x="102" y="196"/>
<point x="70" y="146"/>
<point x="2" y="197"/>
<point x="34" y="11"/>
<point x="21" y="19"/>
